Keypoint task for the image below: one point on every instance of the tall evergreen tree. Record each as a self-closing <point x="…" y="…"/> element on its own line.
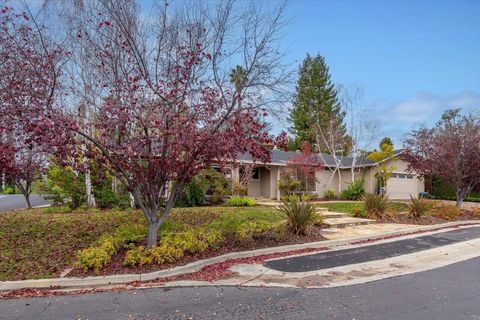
<point x="315" y="102"/>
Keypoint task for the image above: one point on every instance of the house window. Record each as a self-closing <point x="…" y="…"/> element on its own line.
<point x="255" y="174"/>
<point x="402" y="176"/>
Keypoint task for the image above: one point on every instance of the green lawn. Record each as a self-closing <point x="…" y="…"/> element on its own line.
<point x="349" y="207"/>
<point x="40" y="243"/>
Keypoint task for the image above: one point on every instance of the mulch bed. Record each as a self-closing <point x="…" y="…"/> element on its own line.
<point x="115" y="266"/>
<point x="403" y="218"/>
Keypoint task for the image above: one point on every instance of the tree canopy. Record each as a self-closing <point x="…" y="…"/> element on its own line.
<point x="449" y="150"/>
<point x="315" y="102"/>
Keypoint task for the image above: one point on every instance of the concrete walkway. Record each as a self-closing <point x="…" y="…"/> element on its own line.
<point x="365" y="230"/>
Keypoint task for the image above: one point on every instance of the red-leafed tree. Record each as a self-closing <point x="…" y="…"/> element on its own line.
<point x="450" y="150"/>
<point x="169" y="108"/>
<point x="30" y="71"/>
<point x="303" y="166"/>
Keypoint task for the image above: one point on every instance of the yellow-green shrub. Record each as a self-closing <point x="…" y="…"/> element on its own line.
<point x="138" y="256"/>
<point x="241" y="201"/>
<point x="247" y="231"/>
<point x="98" y="255"/>
<point x="173" y="247"/>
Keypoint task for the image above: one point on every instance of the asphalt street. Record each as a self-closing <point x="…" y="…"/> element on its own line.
<point x="17" y="201"/>
<point x="450" y="293"/>
<point x="332" y="259"/>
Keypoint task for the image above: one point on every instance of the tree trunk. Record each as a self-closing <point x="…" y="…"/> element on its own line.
<point x="114" y="184"/>
<point x="132" y="201"/>
<point x="88" y="188"/>
<point x="353" y="173"/>
<point x="152" y="234"/>
<point x="27" y="200"/>
<point x="459" y="196"/>
<point x="339" y="181"/>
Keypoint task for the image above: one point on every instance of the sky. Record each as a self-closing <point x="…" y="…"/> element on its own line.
<point x="412" y="59"/>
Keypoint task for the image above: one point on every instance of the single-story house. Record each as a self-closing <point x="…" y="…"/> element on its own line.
<point x="265" y="176"/>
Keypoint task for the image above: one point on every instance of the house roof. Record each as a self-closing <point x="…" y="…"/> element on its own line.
<point x="279" y="157"/>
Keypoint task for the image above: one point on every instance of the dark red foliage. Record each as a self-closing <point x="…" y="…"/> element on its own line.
<point x="29" y="133"/>
<point x="450" y="150"/>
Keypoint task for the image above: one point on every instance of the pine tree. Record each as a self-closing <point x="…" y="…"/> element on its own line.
<point x="315" y="100"/>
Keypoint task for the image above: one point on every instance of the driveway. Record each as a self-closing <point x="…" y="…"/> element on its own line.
<point x="451" y="292"/>
<point x="17" y="201"/>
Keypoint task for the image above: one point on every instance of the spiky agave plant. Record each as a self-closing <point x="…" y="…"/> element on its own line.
<point x="376" y="205"/>
<point x="300" y="213"/>
<point x="418" y="207"/>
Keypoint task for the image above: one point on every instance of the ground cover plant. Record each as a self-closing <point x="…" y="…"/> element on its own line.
<point x="42" y="243"/>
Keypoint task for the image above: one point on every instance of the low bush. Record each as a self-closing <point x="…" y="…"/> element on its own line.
<point x="376" y="205"/>
<point x="288" y="185"/>
<point x="476" y="213"/>
<point x="98" y="255"/>
<point x="64" y="186"/>
<point x="418" y="207"/>
<point x="251" y="230"/>
<point x="174" y="247"/>
<point x="214" y="184"/>
<point x="446" y="212"/>
<point x="106" y="198"/>
<point x="300" y="214"/>
<point x="354" y="190"/>
<point x="192" y="195"/>
<point x="8" y="190"/>
<point x="359" y="213"/>
<point x="330" y="195"/>
<point x="241" y="202"/>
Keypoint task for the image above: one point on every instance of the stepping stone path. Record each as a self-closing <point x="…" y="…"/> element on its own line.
<point x="340" y="219"/>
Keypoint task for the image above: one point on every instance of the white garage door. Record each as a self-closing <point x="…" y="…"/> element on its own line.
<point x="401" y="186"/>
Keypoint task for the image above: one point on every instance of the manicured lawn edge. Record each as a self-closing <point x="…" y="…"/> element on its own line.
<point x="198" y="265"/>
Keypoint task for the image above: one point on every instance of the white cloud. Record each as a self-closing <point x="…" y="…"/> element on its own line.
<point x="398" y="118"/>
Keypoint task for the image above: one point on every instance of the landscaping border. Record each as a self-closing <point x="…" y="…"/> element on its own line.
<point x="198" y="265"/>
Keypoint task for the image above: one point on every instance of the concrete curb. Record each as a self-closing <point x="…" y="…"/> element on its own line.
<point x="197" y="265"/>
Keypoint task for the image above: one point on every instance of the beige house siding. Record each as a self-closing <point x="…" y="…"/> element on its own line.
<point x="269" y="174"/>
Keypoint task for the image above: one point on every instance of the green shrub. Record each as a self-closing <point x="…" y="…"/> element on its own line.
<point x="64" y="187"/>
<point x="106" y="198"/>
<point x="214" y="184"/>
<point x="418" y="207"/>
<point x="288" y="185"/>
<point x="8" y="190"/>
<point x="192" y="195"/>
<point x="375" y="205"/>
<point x="247" y="232"/>
<point x="359" y="213"/>
<point x="300" y="214"/>
<point x="354" y="190"/>
<point x="330" y="195"/>
<point x="241" y="202"/>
